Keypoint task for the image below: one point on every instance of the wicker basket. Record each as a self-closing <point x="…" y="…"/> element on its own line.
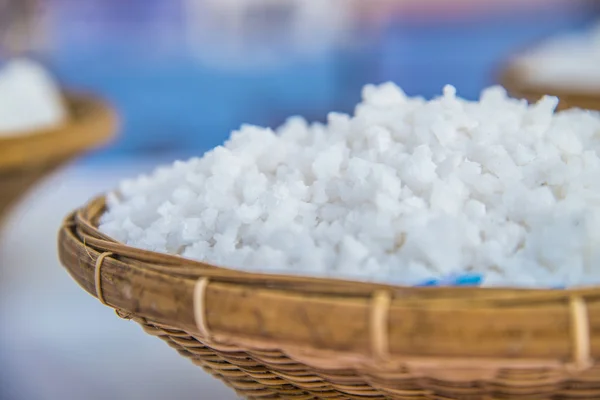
<point x="25" y="159"/>
<point x="272" y="336"/>
<point x="514" y="79"/>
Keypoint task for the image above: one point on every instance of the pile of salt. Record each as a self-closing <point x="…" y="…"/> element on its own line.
<point x="406" y="191"/>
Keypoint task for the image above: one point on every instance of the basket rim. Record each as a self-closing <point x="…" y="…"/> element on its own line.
<point x="514" y="78"/>
<point x="511" y="74"/>
<point x="86" y="220"/>
<point x="87" y="113"/>
<point x="520" y="326"/>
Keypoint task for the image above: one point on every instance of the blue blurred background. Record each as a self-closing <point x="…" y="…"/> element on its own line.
<point x="183" y="74"/>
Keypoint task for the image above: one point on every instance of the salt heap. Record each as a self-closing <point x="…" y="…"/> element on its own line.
<point x="570" y="61"/>
<point x="29" y="98"/>
<point x="405" y="191"/>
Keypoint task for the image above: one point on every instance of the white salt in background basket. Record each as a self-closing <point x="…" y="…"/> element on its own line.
<point x="565" y="66"/>
<point x="40" y="181"/>
<point x="43" y="127"/>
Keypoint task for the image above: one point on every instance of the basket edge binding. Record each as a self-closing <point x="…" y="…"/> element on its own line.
<point x="427" y="331"/>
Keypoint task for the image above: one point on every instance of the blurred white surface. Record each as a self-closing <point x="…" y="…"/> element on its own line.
<point x="58" y="342"/>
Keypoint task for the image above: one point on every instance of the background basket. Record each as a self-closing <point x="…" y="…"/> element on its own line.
<point x="272" y="336"/>
<point x="25" y="159"/>
<point x="514" y="79"/>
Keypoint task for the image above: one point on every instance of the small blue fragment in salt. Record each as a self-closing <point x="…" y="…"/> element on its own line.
<point x="460" y="280"/>
<point x="430" y="282"/>
<point x="468" y="280"/>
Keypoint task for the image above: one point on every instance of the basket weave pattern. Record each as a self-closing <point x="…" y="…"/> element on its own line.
<point x="272" y="337"/>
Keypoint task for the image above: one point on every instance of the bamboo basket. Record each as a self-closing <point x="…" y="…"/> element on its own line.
<point x="284" y="337"/>
<point x="27" y="158"/>
<point x="515" y="81"/>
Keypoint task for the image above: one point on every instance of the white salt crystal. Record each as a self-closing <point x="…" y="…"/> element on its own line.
<point x="523" y="155"/>
<point x="254" y="185"/>
<point x="352" y="251"/>
<point x="495" y="159"/>
<point x="265" y="258"/>
<point x="448" y="196"/>
<point x="419" y="171"/>
<point x="248" y="213"/>
<point x="387" y="94"/>
<point x="379" y="138"/>
<point x="405" y="191"/>
<point x="474" y="209"/>
<point x="449" y="92"/>
<point x="209" y="217"/>
<point x="192" y="228"/>
<point x="327" y="164"/>
<point x="319" y="196"/>
<point x="184" y="195"/>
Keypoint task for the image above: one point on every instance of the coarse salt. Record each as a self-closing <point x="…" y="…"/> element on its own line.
<point x="405" y="191"/>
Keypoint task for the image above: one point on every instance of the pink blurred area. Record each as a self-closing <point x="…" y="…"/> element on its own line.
<point x="384" y="11"/>
<point x="119" y="13"/>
